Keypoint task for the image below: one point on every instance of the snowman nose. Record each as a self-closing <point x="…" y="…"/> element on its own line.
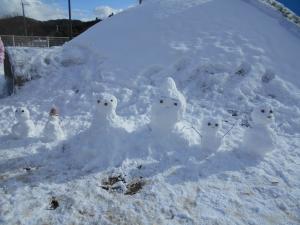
<point x="106" y="104"/>
<point x="270" y="117"/>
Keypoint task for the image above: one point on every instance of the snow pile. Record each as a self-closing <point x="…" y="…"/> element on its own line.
<point x="162" y="121"/>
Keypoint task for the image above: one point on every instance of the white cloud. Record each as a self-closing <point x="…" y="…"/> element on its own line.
<point x="36" y="9"/>
<point x="103" y="12"/>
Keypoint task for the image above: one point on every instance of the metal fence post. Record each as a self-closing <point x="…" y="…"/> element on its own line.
<point x="13" y="37"/>
<point x="48" y="42"/>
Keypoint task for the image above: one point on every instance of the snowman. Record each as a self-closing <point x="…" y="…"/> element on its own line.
<point x="167" y="139"/>
<point x="102" y="144"/>
<point x="24" y="126"/>
<point x="53" y="130"/>
<point x="167" y="109"/>
<point x="259" y="138"/>
<point x="211" y="138"/>
<point x="105" y="115"/>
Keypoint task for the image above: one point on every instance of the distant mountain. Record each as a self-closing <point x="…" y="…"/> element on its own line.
<point x="55" y="28"/>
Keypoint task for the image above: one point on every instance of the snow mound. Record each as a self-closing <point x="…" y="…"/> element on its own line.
<point x="156" y="105"/>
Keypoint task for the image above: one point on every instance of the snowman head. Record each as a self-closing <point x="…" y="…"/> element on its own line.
<point x="22" y="114"/>
<point x="263" y="115"/>
<point x="211" y="125"/>
<point x="106" y="104"/>
<point x="166" y="112"/>
<point x="54" y="113"/>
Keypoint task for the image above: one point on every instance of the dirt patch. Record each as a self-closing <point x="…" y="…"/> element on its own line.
<point x="53" y="204"/>
<point x="118" y="183"/>
<point x="135" y="186"/>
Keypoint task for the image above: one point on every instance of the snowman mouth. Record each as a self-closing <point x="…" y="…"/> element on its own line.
<point x="269" y="117"/>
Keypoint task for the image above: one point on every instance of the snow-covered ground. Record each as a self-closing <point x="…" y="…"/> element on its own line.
<point x="228" y="58"/>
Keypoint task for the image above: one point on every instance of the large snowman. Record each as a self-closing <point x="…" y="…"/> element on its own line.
<point x="167" y="139"/>
<point x="259" y="138"/>
<point x="168" y="108"/>
<point x="102" y="145"/>
<point x="24" y="127"/>
<point x="53" y="130"/>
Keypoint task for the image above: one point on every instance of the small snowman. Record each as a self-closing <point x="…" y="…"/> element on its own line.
<point x="102" y="144"/>
<point x="211" y="139"/>
<point x="106" y="116"/>
<point x="259" y="138"/>
<point x="24" y="127"/>
<point x="53" y="130"/>
<point x="168" y="108"/>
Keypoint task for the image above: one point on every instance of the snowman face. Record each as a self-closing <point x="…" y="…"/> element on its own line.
<point x="170" y="104"/>
<point x="54" y="117"/>
<point x="106" y="104"/>
<point x="263" y="115"/>
<point x="211" y="125"/>
<point x="22" y="113"/>
<point x="166" y="112"/>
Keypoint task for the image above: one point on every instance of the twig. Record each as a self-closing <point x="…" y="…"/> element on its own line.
<point x="230" y="128"/>
<point x="193" y="129"/>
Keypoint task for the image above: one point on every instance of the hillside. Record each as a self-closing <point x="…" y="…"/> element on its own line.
<point x="217" y="143"/>
<point x="54" y="28"/>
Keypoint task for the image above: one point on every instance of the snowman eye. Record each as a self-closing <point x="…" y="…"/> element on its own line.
<point x="175" y="103"/>
<point x="209" y="124"/>
<point x="271" y="111"/>
<point x="216" y="125"/>
<point x="22" y="111"/>
<point x="263" y="111"/>
<point x="16" y="110"/>
<point x="98" y="101"/>
<point x="161" y="101"/>
<point x="111" y="100"/>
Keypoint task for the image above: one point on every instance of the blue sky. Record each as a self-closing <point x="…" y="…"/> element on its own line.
<point x="87" y="7"/>
<point x="82" y="9"/>
<point x="294" y="5"/>
<point x="54" y="9"/>
<point x="91" y="4"/>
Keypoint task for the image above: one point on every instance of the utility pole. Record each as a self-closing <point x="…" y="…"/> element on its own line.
<point x="70" y="21"/>
<point x="24" y="17"/>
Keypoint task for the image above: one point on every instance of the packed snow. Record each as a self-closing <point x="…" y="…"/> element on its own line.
<point x="172" y="112"/>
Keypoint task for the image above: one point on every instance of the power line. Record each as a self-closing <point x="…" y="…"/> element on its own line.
<point x="24" y="17"/>
<point x="70" y="21"/>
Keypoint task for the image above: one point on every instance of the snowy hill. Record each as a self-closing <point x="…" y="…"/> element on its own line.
<point x="123" y="160"/>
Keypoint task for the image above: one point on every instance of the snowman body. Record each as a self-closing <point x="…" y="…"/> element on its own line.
<point x="53" y="130"/>
<point x="211" y="139"/>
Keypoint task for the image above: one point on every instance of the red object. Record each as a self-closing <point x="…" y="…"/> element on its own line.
<point x="54" y="112"/>
<point x="1" y="52"/>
